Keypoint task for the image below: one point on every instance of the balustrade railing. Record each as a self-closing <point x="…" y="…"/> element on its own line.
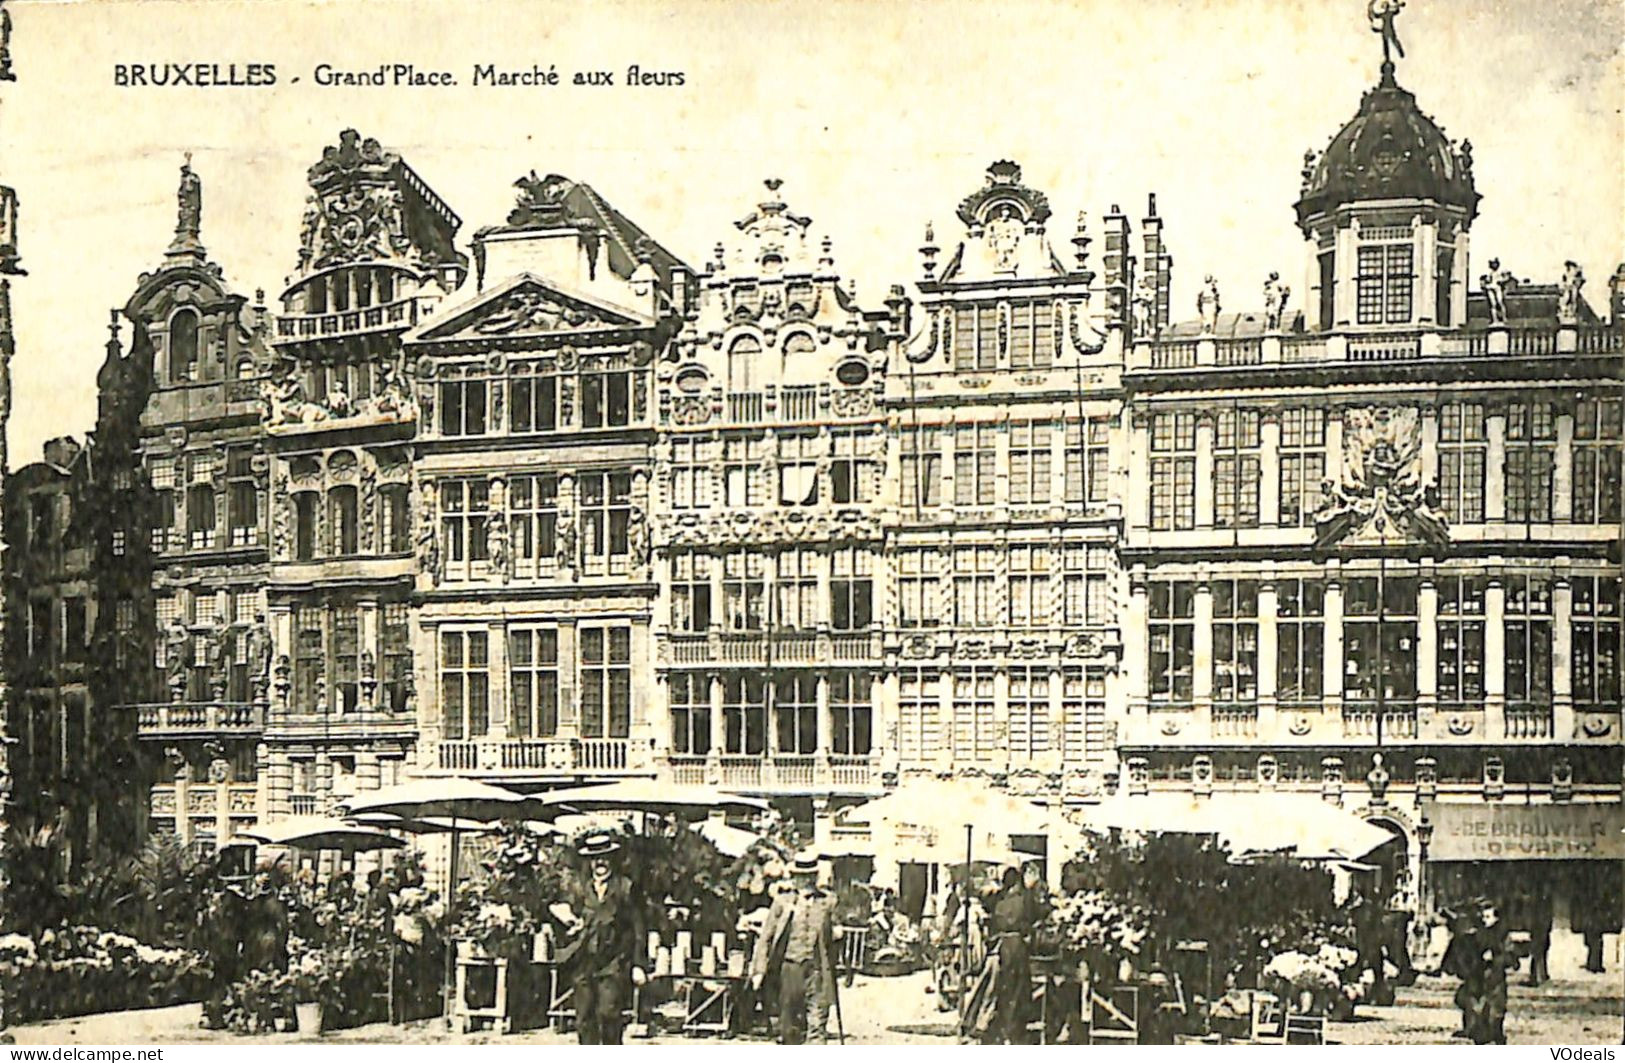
<point x="1174" y="355"/>
<point x="1231" y="721"/>
<point x="798" y="403"/>
<point x="687" y="771"/>
<point x="1248" y="351"/>
<point x="745" y="406"/>
<point x="1398" y="720"/>
<point x="224" y="717"/>
<point x="1528" y="721"/>
<point x="1384" y="347"/>
<point x="459" y="756"/>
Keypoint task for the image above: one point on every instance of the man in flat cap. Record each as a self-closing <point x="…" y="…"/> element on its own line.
<point x="797" y="944"/>
<point x="603" y="951"/>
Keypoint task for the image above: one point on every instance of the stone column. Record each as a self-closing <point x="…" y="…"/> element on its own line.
<point x="368" y="634"/>
<point x="1269" y="469"/>
<point x="1202" y="658"/>
<point x="1268" y="651"/>
<point x="1135" y="650"/>
<point x="1563" y="471"/>
<point x="1427" y="647"/>
<point x="368" y="773"/>
<point x="1331" y="654"/>
<point x="719" y="731"/>
<point x="1346" y="239"/>
<point x="1204" y="470"/>
<point x="1427" y="244"/>
<point x="1562" y="665"/>
<point x="1001" y="716"/>
<point x="496" y="683"/>
<point x="1139" y="473"/>
<point x="1495" y="459"/>
<point x="1495" y="652"/>
<point x="569" y="697"/>
<point x="826" y="728"/>
<point x="1334" y="445"/>
<point x="1430" y="445"/>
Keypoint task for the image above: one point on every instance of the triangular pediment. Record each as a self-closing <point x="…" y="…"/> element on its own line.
<point x="527" y="306"/>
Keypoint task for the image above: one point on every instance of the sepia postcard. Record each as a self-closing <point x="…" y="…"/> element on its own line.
<point x="936" y="523"/>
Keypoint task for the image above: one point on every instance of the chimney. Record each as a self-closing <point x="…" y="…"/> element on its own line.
<point x="1117" y="264"/>
<point x="1158" y="265"/>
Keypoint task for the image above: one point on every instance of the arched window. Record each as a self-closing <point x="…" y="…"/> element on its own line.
<point x="183" y="347"/>
<point x="395" y="532"/>
<point x="304" y="537"/>
<point x="744" y="373"/>
<point x="342" y="517"/>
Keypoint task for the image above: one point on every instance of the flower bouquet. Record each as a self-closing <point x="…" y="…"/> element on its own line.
<point x="1321" y="982"/>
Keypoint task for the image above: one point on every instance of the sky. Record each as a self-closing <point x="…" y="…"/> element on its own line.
<point x="878" y="115"/>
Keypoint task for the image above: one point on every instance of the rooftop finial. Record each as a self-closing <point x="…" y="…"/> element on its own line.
<point x="189" y="212"/>
<point x="1382" y="14"/>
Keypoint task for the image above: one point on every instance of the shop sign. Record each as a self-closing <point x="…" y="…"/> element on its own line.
<point x="1526" y="832"/>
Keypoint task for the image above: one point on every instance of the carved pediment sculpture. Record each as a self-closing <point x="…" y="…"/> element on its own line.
<point x="532" y="310"/>
<point x="1380" y="496"/>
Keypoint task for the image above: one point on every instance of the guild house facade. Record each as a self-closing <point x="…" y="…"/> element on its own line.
<point x="554" y="506"/>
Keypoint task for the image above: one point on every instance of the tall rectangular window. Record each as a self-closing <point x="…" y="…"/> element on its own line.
<point x="691" y="592"/>
<point x="1028" y="705"/>
<point x="533" y="513"/>
<point x="690" y="697"/>
<point x="744" y="590"/>
<point x="395" y="639"/>
<point x="1599" y="442"/>
<point x="975" y="464"/>
<point x="200" y="517"/>
<point x="919" y="714"/>
<point x="533" y="394"/>
<point x="851" y="714"/>
<point x="533" y="678"/>
<point x="1303" y="463"/>
<point x="922" y="467"/>
<point x="1088" y="472"/>
<point x="462" y="407"/>
<point x="1029" y="462"/>
<point x="852" y="468"/>
<point x="1379" y="638"/>
<point x="1596" y="652"/>
<point x="1463" y="444"/>
<point x="309" y="657"/>
<point x="851" y="589"/>
<point x="1327" y="261"/>
<point x="974" y="586"/>
<point x="976" y="337"/>
<point x="741" y="476"/>
<point x="799" y="455"/>
<point x="917" y="585"/>
<point x="974" y="738"/>
<point x="1171" y="613"/>
<point x="1531" y="453"/>
<point x="1173" y="471"/>
<point x="1235" y="640"/>
<point x="1236" y="469"/>
<point x="465" y="509"/>
<point x="1461" y="638"/>
<point x="1084" y="590"/>
<point x="1032" y="335"/>
<point x="395" y="527"/>
<point x="796" y="584"/>
<point x="1029" y="586"/>
<point x="744" y="714"/>
<point x="1083" y="714"/>
<point x="690" y="474"/>
<point x="606" y="682"/>
<point x="304" y="525"/>
<point x="344" y="520"/>
<point x="242" y="499"/>
<point x="795" y="712"/>
<point x="606" y="514"/>
<point x="1385" y="284"/>
<point x="606" y="398"/>
<point x="1300" y="610"/>
<point x="344" y="647"/>
<point x="1444" y="265"/>
<point x="1528" y="621"/>
<point x="465" y="708"/>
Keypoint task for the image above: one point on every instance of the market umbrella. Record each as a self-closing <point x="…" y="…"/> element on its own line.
<point x="730" y="841"/>
<point x="648" y="795"/>
<point x="459" y="800"/>
<point x="1300" y="824"/>
<point x="322" y="832"/>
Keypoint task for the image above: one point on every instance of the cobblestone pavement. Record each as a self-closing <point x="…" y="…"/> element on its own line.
<point x="1575" y="1008"/>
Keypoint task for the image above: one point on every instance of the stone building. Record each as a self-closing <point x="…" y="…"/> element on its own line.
<point x="1373" y="544"/>
<point x="195" y="370"/>
<point x="532" y="464"/>
<point x="376" y="257"/>
<point x="768" y="497"/>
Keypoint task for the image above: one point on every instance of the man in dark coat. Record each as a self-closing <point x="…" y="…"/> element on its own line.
<point x="603" y="953"/>
<point x="797" y="944"/>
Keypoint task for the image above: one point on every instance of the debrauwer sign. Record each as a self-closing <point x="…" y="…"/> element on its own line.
<point x="1527" y="832"/>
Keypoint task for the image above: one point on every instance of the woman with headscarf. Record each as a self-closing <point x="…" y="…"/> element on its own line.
<point x="1002" y="996"/>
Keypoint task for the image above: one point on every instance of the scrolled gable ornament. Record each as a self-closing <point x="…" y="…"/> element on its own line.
<point x="1380" y="495"/>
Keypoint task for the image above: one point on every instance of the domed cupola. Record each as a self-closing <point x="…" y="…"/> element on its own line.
<point x="1386" y="210"/>
<point x="1390" y="150"/>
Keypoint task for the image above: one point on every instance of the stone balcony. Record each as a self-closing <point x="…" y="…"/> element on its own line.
<point x="783" y="648"/>
<point x="1349" y="721"/>
<point x="560" y="757"/>
<point x="777" y="773"/>
<point x="400" y="314"/>
<point x="1210" y="352"/>
<point x="182" y="719"/>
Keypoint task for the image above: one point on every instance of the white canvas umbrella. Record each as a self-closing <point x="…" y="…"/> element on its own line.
<point x="648" y="795"/>
<point x="321" y="832"/>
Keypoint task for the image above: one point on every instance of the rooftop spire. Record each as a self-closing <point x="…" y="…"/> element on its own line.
<point x="188" y="213"/>
<point x="1382" y="14"/>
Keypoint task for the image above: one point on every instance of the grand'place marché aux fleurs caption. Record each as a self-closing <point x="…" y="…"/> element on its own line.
<point x="211" y="75"/>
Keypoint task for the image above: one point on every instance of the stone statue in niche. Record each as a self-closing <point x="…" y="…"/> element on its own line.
<point x="496" y="532"/>
<point x="564" y="541"/>
<point x="1275" y="297"/>
<point x="1144" y="307"/>
<point x="260" y="652"/>
<point x="177" y="657"/>
<point x="428" y="534"/>
<point x="1498" y="284"/>
<point x="1207" y="305"/>
<point x="216" y="646"/>
<point x="1568" y="294"/>
<point x="1003" y="238"/>
<point x="189" y="208"/>
<point x="338" y="399"/>
<point x="637" y="536"/>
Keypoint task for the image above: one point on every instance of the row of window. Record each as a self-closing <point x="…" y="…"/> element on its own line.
<point x="230" y="622"/>
<point x="781" y="714"/>
<point x="189" y="508"/>
<point x="603" y="681"/>
<point x="526" y="525"/>
<point x="537" y="401"/>
<point x="1025" y="595"/>
<point x="1029" y="335"/>
<point x="1529" y="443"/>
<point x="759" y="592"/>
<point x="733" y="472"/>
<point x="1380" y="632"/>
<point x="973" y="451"/>
<point x="958" y="713"/>
<point x="330" y="655"/>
